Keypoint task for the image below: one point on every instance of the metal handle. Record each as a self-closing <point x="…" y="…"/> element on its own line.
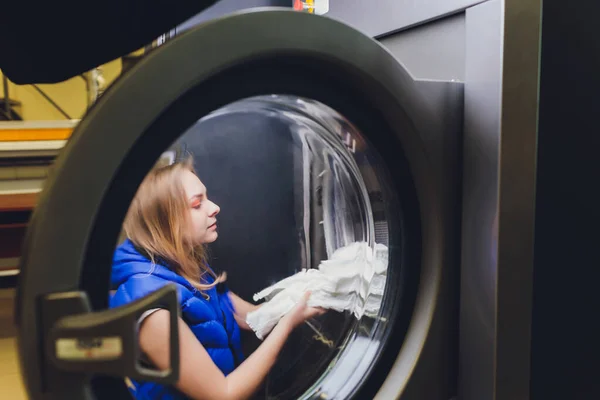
<point x="105" y="342"/>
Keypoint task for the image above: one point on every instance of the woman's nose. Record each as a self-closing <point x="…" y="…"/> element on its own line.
<point x="216" y="209"/>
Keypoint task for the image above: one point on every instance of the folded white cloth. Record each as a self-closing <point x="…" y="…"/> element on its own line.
<point x="353" y="279"/>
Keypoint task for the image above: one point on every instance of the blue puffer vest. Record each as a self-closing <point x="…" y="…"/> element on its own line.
<point x="212" y="321"/>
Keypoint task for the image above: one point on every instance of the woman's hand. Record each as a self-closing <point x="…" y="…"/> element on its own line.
<point x="300" y="313"/>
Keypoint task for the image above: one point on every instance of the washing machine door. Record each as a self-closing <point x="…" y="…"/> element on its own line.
<point x="346" y="99"/>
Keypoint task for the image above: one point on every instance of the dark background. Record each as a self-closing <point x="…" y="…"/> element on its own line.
<point x="566" y="334"/>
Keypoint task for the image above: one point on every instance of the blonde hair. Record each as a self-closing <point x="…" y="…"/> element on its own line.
<point x="158" y="222"/>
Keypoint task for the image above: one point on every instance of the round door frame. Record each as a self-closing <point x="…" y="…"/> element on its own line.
<point x="246" y="54"/>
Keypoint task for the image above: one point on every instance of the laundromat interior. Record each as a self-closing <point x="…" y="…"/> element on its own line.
<point x="428" y="170"/>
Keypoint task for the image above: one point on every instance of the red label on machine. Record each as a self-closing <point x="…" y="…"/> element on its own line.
<point x="318" y="7"/>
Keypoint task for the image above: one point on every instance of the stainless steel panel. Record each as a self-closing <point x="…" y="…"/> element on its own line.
<point x="432" y="51"/>
<point x="438" y="120"/>
<point x="382" y="17"/>
<point x="483" y="88"/>
<point x="501" y="89"/>
<point x="518" y="158"/>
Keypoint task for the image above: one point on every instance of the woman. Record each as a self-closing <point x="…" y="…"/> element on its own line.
<point x="167" y="225"/>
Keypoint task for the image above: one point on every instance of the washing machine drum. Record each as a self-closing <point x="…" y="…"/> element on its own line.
<point x="301" y="128"/>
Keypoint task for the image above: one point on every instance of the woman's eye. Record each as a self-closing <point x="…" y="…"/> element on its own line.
<point x="196" y="205"/>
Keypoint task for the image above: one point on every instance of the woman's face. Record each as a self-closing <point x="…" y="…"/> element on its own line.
<point x="203" y="212"/>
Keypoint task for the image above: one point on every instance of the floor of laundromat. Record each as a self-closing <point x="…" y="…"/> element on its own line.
<point x="11" y="386"/>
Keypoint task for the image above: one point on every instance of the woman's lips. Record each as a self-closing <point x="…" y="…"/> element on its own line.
<point x="213" y="226"/>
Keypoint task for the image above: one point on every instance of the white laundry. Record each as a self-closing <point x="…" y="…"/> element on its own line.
<point x="353" y="279"/>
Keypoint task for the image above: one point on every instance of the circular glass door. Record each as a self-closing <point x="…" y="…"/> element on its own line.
<point x="301" y="189"/>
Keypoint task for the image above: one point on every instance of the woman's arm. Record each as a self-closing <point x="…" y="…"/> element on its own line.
<point x="242" y="308"/>
<point x="200" y="378"/>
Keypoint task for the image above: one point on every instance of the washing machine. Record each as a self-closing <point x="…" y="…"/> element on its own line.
<point x="388" y="127"/>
